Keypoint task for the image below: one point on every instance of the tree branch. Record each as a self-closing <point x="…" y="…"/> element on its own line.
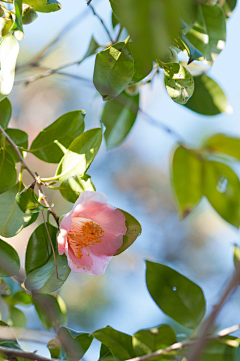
<point x="102" y="22"/>
<point x="18" y="353"/>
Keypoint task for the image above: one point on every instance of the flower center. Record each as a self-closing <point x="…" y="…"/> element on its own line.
<point x="84" y="233"/>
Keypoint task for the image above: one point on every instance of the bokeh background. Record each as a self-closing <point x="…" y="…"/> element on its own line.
<point x="135" y="177"/>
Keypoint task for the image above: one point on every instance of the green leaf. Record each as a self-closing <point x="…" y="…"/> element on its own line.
<point x="44" y="279"/>
<point x="208" y="34"/>
<point x="48" y="144"/>
<point x="17" y="317"/>
<point x="118" y="116"/>
<point x="115" y="21"/>
<point x="92" y="48"/>
<point x="7" y="170"/>
<point x="222" y="189"/>
<point x="208" y="98"/>
<point x="72" y="187"/>
<point x="54" y="347"/>
<point x="104" y="352"/>
<point x="141" y="67"/>
<point x="221" y="143"/>
<point x="39" y="249"/>
<point x="9" y="260"/>
<point x="5" y="112"/>
<point x="150" y="340"/>
<point x="80" y="154"/>
<point x="221" y="350"/>
<point x="119" y="343"/>
<point x="175" y="295"/>
<point x="19" y="137"/>
<point x="186" y="177"/>
<point x="51" y="310"/>
<point x="18" y="25"/>
<point x="21" y="298"/>
<point x="113" y="70"/>
<point x="12" y="219"/>
<point x="27" y="201"/>
<point x="9" y="49"/>
<point x="185" y="45"/>
<point x="44" y="6"/>
<point x="134" y="230"/>
<point x="228" y="7"/>
<point x="179" y="82"/>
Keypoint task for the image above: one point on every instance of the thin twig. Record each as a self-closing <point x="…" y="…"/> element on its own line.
<point x="102" y="22"/>
<point x="28" y="355"/>
<point x="89" y="2"/>
<point x="180" y="345"/>
<point x="54" y="256"/>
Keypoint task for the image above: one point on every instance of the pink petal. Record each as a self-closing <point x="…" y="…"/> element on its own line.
<point x="66" y="222"/>
<point x="99" y="264"/>
<point x="62" y="241"/>
<point x="80" y="265"/>
<point x="85" y="198"/>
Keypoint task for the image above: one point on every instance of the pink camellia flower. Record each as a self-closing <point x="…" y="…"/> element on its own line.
<point x="91" y="233"/>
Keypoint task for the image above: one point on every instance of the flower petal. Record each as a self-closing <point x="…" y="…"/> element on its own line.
<point x="99" y="264"/>
<point x="62" y="240"/>
<point x="80" y="265"/>
<point x="85" y="198"/>
<point x="66" y="222"/>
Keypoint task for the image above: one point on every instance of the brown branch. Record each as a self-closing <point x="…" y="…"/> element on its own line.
<point x="102" y="22"/>
<point x="18" y="353"/>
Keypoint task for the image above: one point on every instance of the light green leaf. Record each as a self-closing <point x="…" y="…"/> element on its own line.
<point x="221" y="143"/>
<point x="5" y="112"/>
<point x="21" y="298"/>
<point x="92" y="48"/>
<point x="118" y="116"/>
<point x="113" y="70"/>
<point x="80" y="154"/>
<point x="17" y="317"/>
<point x="54" y="347"/>
<point x="7" y="170"/>
<point x="175" y="295"/>
<point x="47" y="146"/>
<point x="179" y="82"/>
<point x="9" y="49"/>
<point x="142" y="67"/>
<point x="18" y="25"/>
<point x="72" y="187"/>
<point x="44" y="6"/>
<point x="27" y="201"/>
<point x="208" y="98"/>
<point x="9" y="260"/>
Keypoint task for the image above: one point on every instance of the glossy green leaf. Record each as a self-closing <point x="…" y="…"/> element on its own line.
<point x="208" y="34"/>
<point x="80" y="154"/>
<point x="185" y="45"/>
<point x="44" y="279"/>
<point x="221" y="143"/>
<point x="17" y="317"/>
<point x="12" y="219"/>
<point x="9" y="49"/>
<point x="39" y="249"/>
<point x="27" y="201"/>
<point x="50" y="142"/>
<point x="72" y="187"/>
<point x="134" y="230"/>
<point x="5" y="112"/>
<point x="175" y="295"/>
<point x="119" y="343"/>
<point x="150" y="340"/>
<point x="118" y="116"/>
<point x="19" y="137"/>
<point x="222" y="189"/>
<point x="208" y="98"/>
<point x="44" y="6"/>
<point x="51" y="310"/>
<point x="92" y="48"/>
<point x="18" y="25"/>
<point x="113" y="70"/>
<point x="7" y="170"/>
<point x="186" y="176"/>
<point x="9" y="260"/>
<point x="179" y="82"/>
<point x="142" y="67"/>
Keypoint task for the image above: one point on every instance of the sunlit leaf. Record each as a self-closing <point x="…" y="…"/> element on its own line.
<point x="27" y="201"/>
<point x="72" y="187"/>
<point x="18" y="25"/>
<point x="9" y="260"/>
<point x="222" y="143"/>
<point x="134" y="229"/>
<point x="185" y="45"/>
<point x="44" y="6"/>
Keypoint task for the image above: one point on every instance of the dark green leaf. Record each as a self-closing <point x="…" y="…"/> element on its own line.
<point x="44" y="6"/>
<point x="7" y="170"/>
<point x="134" y="229"/>
<point x="9" y="260"/>
<point x="50" y="142"/>
<point x="27" y="201"/>
<point x="72" y="187"/>
<point x="221" y="143"/>
<point x="118" y="117"/>
<point x="115" y="21"/>
<point x="51" y="310"/>
<point x="176" y="295"/>
<point x="228" y="7"/>
<point x="39" y="249"/>
<point x="5" y="112"/>
<point x="208" y="98"/>
<point x="104" y="352"/>
<point x="224" y="349"/>
<point x="17" y="317"/>
<point x="113" y="70"/>
<point x="119" y="343"/>
<point x="184" y="44"/>
<point x="19" y="137"/>
<point x="141" y="67"/>
<point x="18" y="25"/>
<point x="80" y="154"/>
<point x="186" y="174"/>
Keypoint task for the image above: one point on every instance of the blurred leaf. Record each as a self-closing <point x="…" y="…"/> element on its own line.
<point x="39" y="250"/>
<point x="184" y="44"/>
<point x="175" y="294"/>
<point x="44" y="6"/>
<point x="9" y="49"/>
<point x="51" y="310"/>
<point x="27" y="201"/>
<point x="72" y="187"/>
<point x="44" y="279"/>
<point x="18" y="25"/>
<point x="219" y="350"/>
<point x="119" y="343"/>
<point x="12" y="219"/>
<point x="113" y="70"/>
<point x="104" y="352"/>
<point x="19" y="137"/>
<point x="5" y="112"/>
<point x="228" y="7"/>
<point x="7" y="170"/>
<point x="208" y="34"/>
<point x="179" y="82"/>
<point x="221" y="143"/>
<point x="118" y="116"/>
<point x="17" y="317"/>
<point x="150" y="340"/>
<point x="10" y="340"/>
<point x="134" y="229"/>
<point x="141" y="67"/>
<point x="21" y="298"/>
<point x="115" y="21"/>
<point x="54" y="347"/>
<point x="186" y="174"/>
<point x="9" y="260"/>
<point x="222" y="189"/>
<point x="208" y="98"/>
<point x="80" y="154"/>
<point x="48" y="144"/>
<point x="92" y="48"/>
<point x="236" y="255"/>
